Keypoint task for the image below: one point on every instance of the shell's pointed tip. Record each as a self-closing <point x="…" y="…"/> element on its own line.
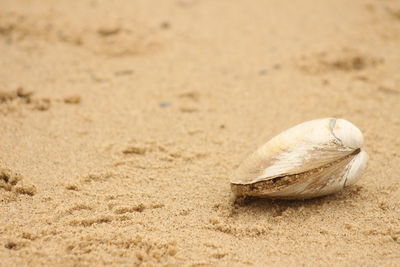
<point x="347" y="133"/>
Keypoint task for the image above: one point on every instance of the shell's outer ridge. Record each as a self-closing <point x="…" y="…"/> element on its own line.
<point x="332" y="124"/>
<point x="348" y="168"/>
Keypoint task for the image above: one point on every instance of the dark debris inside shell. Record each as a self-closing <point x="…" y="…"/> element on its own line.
<point x="262" y="188"/>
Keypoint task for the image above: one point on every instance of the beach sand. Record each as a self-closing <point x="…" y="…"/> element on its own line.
<point x="122" y="121"/>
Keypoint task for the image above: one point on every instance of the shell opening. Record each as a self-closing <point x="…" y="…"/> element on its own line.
<point x="266" y="187"/>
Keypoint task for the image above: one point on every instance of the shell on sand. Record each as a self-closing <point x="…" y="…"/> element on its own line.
<point x="311" y="159"/>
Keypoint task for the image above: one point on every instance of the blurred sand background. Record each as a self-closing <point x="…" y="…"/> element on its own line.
<point x="121" y="121"/>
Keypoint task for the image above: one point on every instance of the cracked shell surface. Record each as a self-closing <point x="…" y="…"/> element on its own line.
<point x="311" y="159"/>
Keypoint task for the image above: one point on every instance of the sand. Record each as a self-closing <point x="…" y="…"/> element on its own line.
<point x="121" y="122"/>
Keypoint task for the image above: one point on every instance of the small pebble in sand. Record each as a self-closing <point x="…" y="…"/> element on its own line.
<point x="165" y="25"/>
<point x="22" y="92"/>
<point x="76" y="99"/>
<point x="108" y="31"/>
<point x="165" y="104"/>
<point x="41" y="104"/>
<point x="135" y="150"/>
<point x="263" y="72"/>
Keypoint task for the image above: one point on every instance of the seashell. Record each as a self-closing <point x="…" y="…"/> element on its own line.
<point x="311" y="159"/>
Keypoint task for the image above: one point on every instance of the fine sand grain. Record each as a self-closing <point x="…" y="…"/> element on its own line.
<point x="121" y="122"/>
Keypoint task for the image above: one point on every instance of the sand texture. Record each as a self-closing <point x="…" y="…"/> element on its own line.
<point x="122" y="121"/>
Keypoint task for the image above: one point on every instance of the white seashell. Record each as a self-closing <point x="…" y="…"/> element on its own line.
<point x="312" y="159"/>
